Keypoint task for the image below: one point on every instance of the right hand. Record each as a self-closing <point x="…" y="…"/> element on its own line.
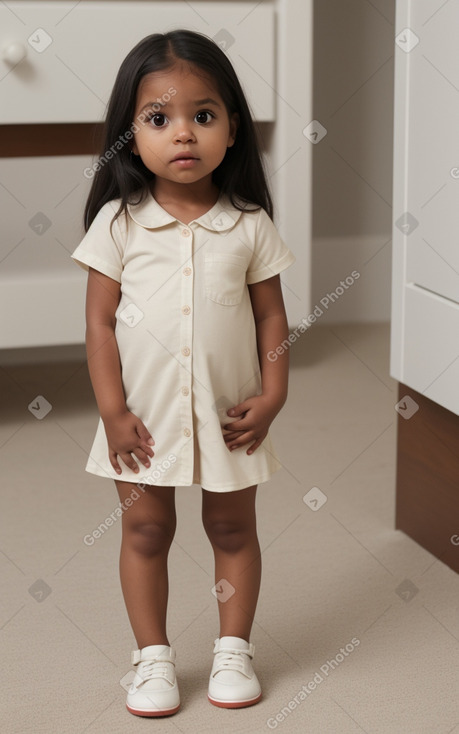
<point x="127" y="435"/>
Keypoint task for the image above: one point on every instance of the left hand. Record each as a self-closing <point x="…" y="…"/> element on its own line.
<point x="257" y="413"/>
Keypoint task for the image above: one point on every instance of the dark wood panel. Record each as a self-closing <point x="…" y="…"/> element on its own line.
<point x="48" y="140"/>
<point x="427" y="500"/>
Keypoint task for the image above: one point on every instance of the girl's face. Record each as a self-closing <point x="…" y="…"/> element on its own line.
<point x="183" y="126"/>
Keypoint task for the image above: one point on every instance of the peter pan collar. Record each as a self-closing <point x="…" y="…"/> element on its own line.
<point x="149" y="214"/>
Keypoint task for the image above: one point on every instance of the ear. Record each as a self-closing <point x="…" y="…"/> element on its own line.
<point x="234" y="124"/>
<point x="134" y="148"/>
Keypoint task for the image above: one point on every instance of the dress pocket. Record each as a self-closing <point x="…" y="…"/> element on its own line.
<point x="224" y="277"/>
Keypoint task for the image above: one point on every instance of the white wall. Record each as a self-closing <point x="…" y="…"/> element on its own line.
<point x="352" y="164"/>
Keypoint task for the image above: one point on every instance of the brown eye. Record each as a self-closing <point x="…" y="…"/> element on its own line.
<point x="157" y="120"/>
<point x="203" y="117"/>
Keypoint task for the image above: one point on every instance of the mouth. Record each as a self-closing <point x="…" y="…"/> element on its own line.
<point x="184" y="157"/>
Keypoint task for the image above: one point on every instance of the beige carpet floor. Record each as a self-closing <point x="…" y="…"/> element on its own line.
<point x="333" y="576"/>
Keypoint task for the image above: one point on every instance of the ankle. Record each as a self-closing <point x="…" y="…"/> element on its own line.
<point x="154" y="641"/>
<point x="232" y="633"/>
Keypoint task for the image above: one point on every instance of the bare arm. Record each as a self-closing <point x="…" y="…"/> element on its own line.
<point x="102" y="299"/>
<point x="272" y="329"/>
<point x="126" y="434"/>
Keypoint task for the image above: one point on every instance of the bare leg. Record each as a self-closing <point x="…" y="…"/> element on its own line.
<point x="229" y="520"/>
<point x="148" y="527"/>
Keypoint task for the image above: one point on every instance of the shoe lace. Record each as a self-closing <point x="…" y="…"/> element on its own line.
<point x="230" y="661"/>
<point x="153" y="669"/>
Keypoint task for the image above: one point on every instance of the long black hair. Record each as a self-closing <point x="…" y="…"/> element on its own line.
<point x="119" y="174"/>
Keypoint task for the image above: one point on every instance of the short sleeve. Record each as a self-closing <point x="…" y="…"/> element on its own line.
<point x="99" y="249"/>
<point x="270" y="253"/>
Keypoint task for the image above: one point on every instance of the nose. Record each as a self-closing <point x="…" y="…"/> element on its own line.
<point x="183" y="134"/>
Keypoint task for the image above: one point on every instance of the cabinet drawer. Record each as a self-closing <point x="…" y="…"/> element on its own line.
<point x="73" y="52"/>
<point x="430" y="355"/>
<point x="432" y="254"/>
<point x="42" y="293"/>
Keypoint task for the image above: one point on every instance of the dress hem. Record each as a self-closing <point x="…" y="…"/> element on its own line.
<point x="221" y="488"/>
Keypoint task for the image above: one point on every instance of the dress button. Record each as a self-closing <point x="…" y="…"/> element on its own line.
<point x="185" y="391"/>
<point x="185" y="232"/>
<point x="186" y="432"/>
<point x="186" y="351"/>
<point x="186" y="310"/>
<point x="186" y="271"/>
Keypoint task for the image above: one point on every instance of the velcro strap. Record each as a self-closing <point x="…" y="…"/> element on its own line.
<point x="135" y="657"/>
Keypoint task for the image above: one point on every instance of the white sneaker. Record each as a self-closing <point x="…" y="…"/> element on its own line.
<point x="154" y="690"/>
<point x="233" y="683"/>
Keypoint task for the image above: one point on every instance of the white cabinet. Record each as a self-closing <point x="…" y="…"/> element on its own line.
<point x="73" y="51"/>
<point x="425" y="276"/>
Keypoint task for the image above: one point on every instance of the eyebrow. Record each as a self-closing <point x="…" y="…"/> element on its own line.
<point x="198" y="103"/>
<point x="207" y="100"/>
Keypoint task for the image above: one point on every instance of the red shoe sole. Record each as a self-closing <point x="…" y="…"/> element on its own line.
<point x="234" y="704"/>
<point x="167" y="712"/>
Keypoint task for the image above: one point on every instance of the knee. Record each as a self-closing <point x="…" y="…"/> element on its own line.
<point x="149" y="538"/>
<point x="228" y="537"/>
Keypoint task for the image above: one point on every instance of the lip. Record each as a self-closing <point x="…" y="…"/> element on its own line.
<point x="184" y="163"/>
<point x="183" y="156"/>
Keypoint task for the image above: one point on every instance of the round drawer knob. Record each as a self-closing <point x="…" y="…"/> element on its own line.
<point x="14" y="52"/>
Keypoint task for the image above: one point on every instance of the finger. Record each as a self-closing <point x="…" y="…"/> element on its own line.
<point x="232" y="435"/>
<point x="235" y="425"/>
<point x="130" y="462"/>
<point x="237" y="440"/>
<point x="142" y="457"/>
<point x="254" y="446"/>
<point x="236" y="410"/>
<point x="144" y="434"/>
<point x="238" y="416"/>
<point x="146" y="448"/>
<point x="241" y="440"/>
<point x="114" y="462"/>
<point x="229" y="427"/>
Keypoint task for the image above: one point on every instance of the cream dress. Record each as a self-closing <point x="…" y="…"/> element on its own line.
<point x="186" y="335"/>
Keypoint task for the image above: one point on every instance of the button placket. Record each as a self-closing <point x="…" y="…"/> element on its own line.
<point x="186" y="342"/>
